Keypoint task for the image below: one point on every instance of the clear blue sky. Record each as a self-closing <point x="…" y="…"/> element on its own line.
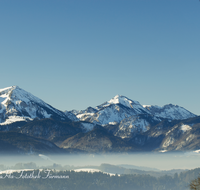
<point x="79" y="53"/>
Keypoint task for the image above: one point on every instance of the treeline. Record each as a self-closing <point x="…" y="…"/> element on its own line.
<point x="97" y="181"/>
<point x="108" y="168"/>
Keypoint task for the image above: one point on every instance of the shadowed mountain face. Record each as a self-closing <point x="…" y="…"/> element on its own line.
<point x="184" y="136"/>
<point x="50" y="129"/>
<point x="98" y="140"/>
<point x="118" y="125"/>
<point x="12" y="142"/>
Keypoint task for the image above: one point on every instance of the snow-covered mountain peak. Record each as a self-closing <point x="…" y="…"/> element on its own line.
<point x="118" y="99"/>
<point x="169" y="111"/>
<point x="17" y="104"/>
<point x="18" y="95"/>
<point x="111" y="111"/>
<point x="8" y="89"/>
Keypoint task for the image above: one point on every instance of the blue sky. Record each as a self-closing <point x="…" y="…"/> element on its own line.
<point x="74" y="53"/>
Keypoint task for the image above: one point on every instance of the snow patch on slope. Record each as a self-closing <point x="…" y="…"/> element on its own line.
<point x="85" y="115"/>
<point x="112" y="123"/>
<point x="130" y="126"/>
<point x="163" y="151"/>
<point x="185" y="128"/>
<point x="88" y="126"/>
<point x="12" y="119"/>
<point x="197" y="151"/>
<point x="170" y="140"/>
<point x="71" y="116"/>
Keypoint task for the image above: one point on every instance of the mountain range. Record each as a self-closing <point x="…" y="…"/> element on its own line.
<point x="29" y="125"/>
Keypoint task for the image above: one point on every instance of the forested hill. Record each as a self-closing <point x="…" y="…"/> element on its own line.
<point x="100" y="181"/>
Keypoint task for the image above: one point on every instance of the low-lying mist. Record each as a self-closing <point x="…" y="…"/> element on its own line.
<point x="160" y="161"/>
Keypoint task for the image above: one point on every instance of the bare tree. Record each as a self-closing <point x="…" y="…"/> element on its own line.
<point x="195" y="184"/>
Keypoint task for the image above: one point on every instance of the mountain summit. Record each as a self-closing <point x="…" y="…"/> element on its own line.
<point x="121" y="107"/>
<point x="118" y="99"/>
<point x="18" y="105"/>
<point x="112" y="111"/>
<point x="170" y="111"/>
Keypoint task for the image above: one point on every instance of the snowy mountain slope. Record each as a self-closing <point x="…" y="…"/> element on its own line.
<point x="183" y="136"/>
<point x="136" y="124"/>
<point x="121" y="107"/>
<point x="83" y="114"/>
<point x="176" y="135"/>
<point x="18" y="105"/>
<point x="169" y="111"/>
<point x="152" y="139"/>
<point x="111" y="111"/>
<point x="118" y="99"/>
<point x="71" y="116"/>
<point x="86" y="127"/>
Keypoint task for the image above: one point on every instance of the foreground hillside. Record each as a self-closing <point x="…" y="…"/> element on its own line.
<point x="99" y="181"/>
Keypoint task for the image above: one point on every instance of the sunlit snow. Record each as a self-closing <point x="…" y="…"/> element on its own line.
<point x="185" y="128"/>
<point x="12" y="119"/>
<point x="197" y="151"/>
<point x="91" y="170"/>
<point x="163" y="151"/>
<point x="15" y="101"/>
